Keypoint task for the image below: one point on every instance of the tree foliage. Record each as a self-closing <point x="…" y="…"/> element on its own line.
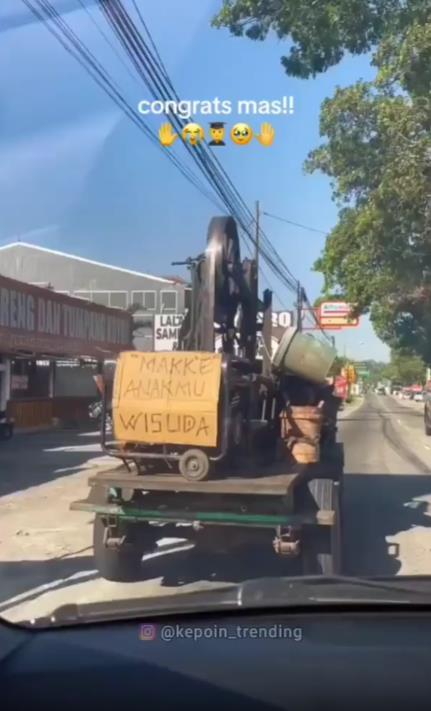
<point x="377" y="149"/>
<point x="405" y="369"/>
<point x="378" y="156"/>
<point x="321" y="32"/>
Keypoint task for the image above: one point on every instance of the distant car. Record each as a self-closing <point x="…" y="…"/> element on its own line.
<point x="381" y="390"/>
<point x="418" y="397"/>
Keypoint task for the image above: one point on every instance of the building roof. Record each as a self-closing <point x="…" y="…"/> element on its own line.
<point x="177" y="280"/>
<point x="87" y="261"/>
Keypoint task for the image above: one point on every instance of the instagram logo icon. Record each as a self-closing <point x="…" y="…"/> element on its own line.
<point x="147" y="632"/>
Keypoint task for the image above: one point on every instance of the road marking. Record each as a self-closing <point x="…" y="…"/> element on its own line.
<point x="40" y="589"/>
<point x="426" y="446"/>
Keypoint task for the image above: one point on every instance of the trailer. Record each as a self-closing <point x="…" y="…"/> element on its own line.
<point x="297" y="511"/>
<point x="218" y="445"/>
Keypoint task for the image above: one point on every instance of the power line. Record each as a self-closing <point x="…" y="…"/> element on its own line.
<point x="77" y="49"/>
<point x="296" y="224"/>
<point x="150" y="68"/>
<point x="132" y="41"/>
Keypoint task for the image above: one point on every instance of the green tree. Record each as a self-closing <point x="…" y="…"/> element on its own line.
<point x="405" y="369"/>
<point x="377" y="149"/>
<point x="378" y="156"/>
<point x="337" y="366"/>
<point x="320" y="32"/>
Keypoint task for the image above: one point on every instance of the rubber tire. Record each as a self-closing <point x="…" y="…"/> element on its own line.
<point x="322" y="544"/>
<point x="200" y="455"/>
<point x="120" y="565"/>
<point x="123" y="564"/>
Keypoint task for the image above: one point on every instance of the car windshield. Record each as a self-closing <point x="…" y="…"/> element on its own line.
<point x="215" y="264"/>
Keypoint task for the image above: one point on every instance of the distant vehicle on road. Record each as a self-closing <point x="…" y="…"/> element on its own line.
<point x="418" y="397"/>
<point x="381" y="390"/>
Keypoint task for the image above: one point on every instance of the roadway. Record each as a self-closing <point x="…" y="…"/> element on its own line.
<point x="45" y="549"/>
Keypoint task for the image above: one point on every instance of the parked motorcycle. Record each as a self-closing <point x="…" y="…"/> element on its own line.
<point x="6" y="426"/>
<point x="95" y="411"/>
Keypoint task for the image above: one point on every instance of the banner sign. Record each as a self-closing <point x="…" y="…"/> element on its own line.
<point x="43" y="322"/>
<point x="166" y="331"/>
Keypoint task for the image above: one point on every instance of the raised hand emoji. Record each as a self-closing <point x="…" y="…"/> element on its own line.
<point x="167" y="135"/>
<point x="267" y="135"/>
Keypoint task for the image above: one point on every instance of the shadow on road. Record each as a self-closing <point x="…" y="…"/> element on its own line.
<point x="376" y="507"/>
<point x="248" y="562"/>
<point x="28" y="579"/>
<point x="33" y="459"/>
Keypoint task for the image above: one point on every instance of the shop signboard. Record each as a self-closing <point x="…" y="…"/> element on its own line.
<point x="167" y="331"/>
<point x="40" y="321"/>
<point x="336" y="315"/>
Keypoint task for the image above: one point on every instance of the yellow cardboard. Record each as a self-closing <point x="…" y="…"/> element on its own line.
<point x="167" y="398"/>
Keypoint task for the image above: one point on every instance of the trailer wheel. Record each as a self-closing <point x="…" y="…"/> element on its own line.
<point x="121" y="563"/>
<point x="322" y="544"/>
<point x="194" y="465"/>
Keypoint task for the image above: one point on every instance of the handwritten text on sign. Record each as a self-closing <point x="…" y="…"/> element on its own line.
<point x="167" y="398"/>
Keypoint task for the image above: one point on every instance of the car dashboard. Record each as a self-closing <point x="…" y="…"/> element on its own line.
<point x="267" y="660"/>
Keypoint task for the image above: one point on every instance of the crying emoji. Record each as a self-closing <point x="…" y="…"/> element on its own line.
<point x="193" y="134"/>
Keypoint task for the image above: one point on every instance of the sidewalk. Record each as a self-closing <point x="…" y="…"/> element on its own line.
<point x="350" y="407"/>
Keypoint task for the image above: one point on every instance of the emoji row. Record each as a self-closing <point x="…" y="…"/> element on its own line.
<point x="241" y="134"/>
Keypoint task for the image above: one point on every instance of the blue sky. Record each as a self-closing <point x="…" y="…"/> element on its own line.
<point x="77" y="175"/>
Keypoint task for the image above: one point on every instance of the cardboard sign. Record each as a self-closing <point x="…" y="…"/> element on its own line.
<point x="167" y="398"/>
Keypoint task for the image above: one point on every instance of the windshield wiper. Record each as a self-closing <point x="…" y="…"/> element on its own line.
<point x="258" y="593"/>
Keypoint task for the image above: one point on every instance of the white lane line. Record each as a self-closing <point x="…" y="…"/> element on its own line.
<point x="426" y="446"/>
<point x="40" y="589"/>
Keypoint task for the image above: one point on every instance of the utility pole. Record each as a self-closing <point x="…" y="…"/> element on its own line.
<point x="299" y="305"/>
<point x="257" y="246"/>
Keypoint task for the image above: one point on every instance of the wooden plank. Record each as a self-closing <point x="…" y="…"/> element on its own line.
<point x="266" y="485"/>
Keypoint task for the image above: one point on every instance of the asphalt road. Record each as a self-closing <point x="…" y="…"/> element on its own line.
<point x="387" y="495"/>
<point x="45" y="549"/>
